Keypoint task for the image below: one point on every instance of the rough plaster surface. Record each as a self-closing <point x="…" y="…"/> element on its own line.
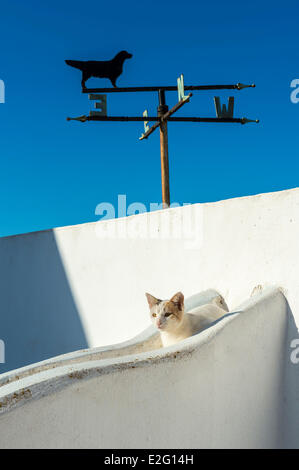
<point x="66" y="289"/>
<point x="211" y="390"/>
<point x="145" y="341"/>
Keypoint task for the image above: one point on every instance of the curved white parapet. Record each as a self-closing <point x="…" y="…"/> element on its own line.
<point x="220" y="388"/>
<point x="67" y="289"/>
<point x="148" y="340"/>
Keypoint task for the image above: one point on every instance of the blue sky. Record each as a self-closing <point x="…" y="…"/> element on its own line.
<point x="55" y="172"/>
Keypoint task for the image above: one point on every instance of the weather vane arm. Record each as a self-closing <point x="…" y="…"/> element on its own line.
<point x="238" y="86"/>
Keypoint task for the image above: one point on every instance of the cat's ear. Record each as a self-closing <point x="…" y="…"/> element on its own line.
<point x="152" y="301"/>
<point x="178" y="300"/>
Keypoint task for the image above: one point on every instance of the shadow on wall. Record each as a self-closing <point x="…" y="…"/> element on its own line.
<point x="39" y="318"/>
<point x="290" y="438"/>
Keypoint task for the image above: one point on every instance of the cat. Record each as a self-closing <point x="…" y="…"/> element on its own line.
<point x="174" y="324"/>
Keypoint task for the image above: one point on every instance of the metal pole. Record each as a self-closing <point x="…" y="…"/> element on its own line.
<point x="162" y="109"/>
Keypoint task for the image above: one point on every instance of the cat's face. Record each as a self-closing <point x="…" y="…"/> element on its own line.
<point x="166" y="315"/>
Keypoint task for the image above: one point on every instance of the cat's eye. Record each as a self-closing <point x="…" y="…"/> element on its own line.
<point x="167" y="314"/>
<point x="154" y="314"/>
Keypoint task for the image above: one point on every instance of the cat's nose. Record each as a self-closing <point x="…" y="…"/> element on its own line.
<point x="158" y="323"/>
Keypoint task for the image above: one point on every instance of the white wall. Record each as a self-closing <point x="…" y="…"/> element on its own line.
<point x="221" y="388"/>
<point x="149" y="339"/>
<point x="66" y="289"/>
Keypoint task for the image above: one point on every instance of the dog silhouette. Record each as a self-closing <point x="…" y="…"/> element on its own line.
<point x="111" y="69"/>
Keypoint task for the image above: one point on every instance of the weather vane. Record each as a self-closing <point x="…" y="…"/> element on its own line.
<point x="112" y="69"/>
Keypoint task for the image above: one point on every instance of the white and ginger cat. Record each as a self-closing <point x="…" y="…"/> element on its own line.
<point x="174" y="324"/>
